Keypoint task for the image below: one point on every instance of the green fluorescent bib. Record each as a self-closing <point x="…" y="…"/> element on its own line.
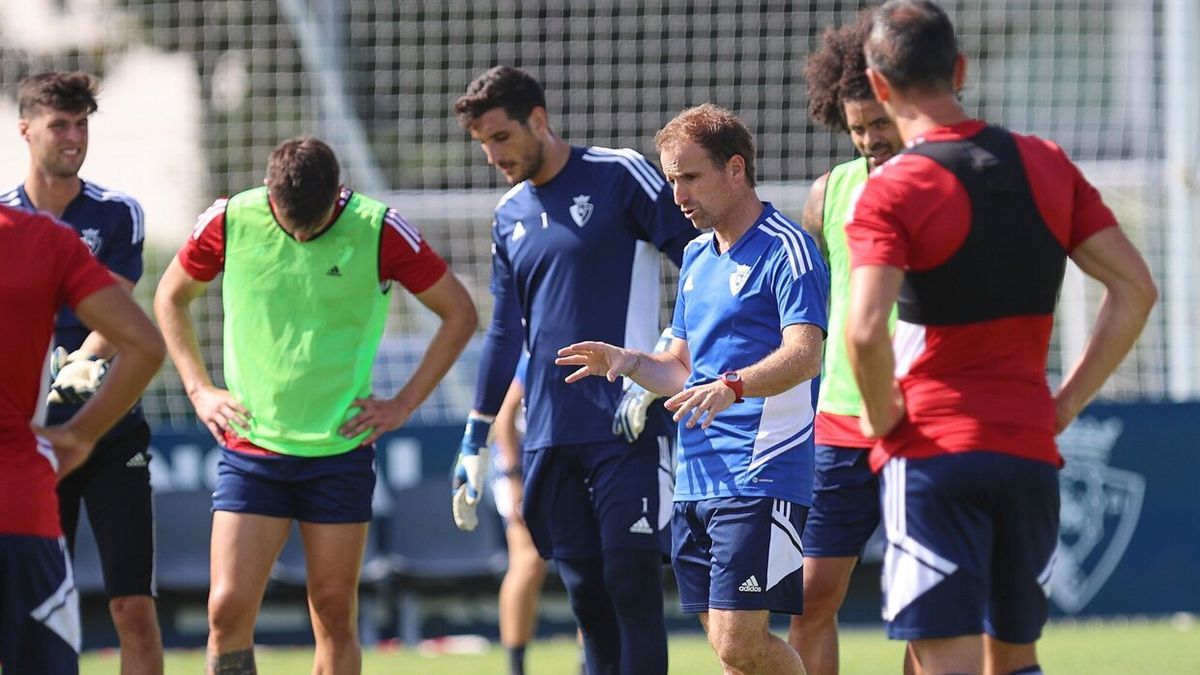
<point x="839" y="392"/>
<point x="303" y="321"/>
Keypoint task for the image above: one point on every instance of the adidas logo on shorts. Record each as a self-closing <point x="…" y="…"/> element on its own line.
<point x="750" y="586"/>
<point x="642" y="526"/>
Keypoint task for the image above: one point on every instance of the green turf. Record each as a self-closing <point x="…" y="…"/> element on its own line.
<point x="1112" y="647"/>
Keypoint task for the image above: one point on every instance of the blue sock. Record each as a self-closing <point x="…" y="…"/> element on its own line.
<point x="516" y="660"/>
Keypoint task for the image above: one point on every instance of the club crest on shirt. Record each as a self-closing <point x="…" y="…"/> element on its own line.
<point x="581" y="210"/>
<point x="738" y="278"/>
<point x="1100" y="510"/>
<point x="91" y="237"/>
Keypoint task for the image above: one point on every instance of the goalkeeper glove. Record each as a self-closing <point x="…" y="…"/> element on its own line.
<point x="76" y="376"/>
<point x="630" y="418"/>
<point x="466" y="485"/>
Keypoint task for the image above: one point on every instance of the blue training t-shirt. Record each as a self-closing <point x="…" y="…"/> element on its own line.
<point x="577" y="259"/>
<point x="732" y="308"/>
<point x="112" y="225"/>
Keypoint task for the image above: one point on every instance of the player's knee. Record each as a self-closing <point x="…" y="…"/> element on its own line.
<point x="336" y="611"/>
<point x="736" y="652"/>
<point x="134" y="615"/>
<point x="634" y="582"/>
<point x="821" y="606"/>
<point x="526" y="564"/>
<point x="230" y="613"/>
<point x="584" y="581"/>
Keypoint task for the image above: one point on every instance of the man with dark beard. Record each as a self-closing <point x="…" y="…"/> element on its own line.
<point x="576" y="245"/>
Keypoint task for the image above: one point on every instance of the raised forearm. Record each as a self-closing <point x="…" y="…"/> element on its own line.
<point x="174" y="295"/>
<point x="138" y="355"/>
<point x="797" y="360"/>
<point x="444" y="349"/>
<point x="662" y="373"/>
<point x="1120" y="321"/>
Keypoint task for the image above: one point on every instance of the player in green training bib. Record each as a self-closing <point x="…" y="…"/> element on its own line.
<point x="308" y="265"/>
<point x="845" y="508"/>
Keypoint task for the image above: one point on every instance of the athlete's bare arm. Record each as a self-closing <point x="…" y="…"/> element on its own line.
<point x="215" y="407"/>
<point x="1109" y="257"/>
<point x="873" y="293"/>
<point x="138" y="349"/>
<point x="813" y="218"/>
<point x="449" y="300"/>
<point x="95" y="343"/>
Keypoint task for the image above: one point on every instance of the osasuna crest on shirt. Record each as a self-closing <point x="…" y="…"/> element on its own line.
<point x="581" y="210"/>
<point x="581" y="255"/>
<point x="738" y="278"/>
<point x="91" y="237"/>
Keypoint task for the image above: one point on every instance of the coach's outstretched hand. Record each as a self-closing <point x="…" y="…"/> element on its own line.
<point x="600" y="359"/>
<point x="466" y="484"/>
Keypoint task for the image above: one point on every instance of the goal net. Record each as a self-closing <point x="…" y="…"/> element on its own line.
<point x="197" y="92"/>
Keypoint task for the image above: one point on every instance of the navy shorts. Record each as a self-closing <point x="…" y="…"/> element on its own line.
<point x="334" y="489"/>
<point x="583" y="499"/>
<point x="114" y="484"/>
<point x="740" y="553"/>
<point x="971" y="540"/>
<point x="845" y="508"/>
<point x="39" y="607"/>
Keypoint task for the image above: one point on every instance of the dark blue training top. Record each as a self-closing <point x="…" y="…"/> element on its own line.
<point x="576" y="259"/>
<point x="112" y="225"/>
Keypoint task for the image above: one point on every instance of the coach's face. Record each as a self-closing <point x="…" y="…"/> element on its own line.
<point x="704" y="190"/>
<point x="513" y="147"/>
<point x="872" y="131"/>
<point x="58" y="140"/>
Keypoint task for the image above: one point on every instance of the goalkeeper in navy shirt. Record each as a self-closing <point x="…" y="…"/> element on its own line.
<point x="742" y="371"/>
<point x="115" y="481"/>
<point x="576" y="245"/>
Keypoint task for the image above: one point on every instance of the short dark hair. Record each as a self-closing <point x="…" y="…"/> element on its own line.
<point x="720" y="132"/>
<point x="837" y="72"/>
<point x="72" y="92"/>
<point x="912" y="44"/>
<point x="302" y="179"/>
<point x="506" y="87"/>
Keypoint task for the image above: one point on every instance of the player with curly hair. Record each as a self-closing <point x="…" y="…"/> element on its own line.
<point x="845" y="508"/>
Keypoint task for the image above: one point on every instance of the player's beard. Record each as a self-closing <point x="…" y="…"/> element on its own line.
<point x="880" y="153"/>
<point x="531" y="163"/>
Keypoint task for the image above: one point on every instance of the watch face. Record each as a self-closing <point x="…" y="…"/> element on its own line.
<point x="730" y="377"/>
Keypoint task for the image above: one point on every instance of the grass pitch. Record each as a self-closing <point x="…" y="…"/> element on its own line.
<point x="1092" y="648"/>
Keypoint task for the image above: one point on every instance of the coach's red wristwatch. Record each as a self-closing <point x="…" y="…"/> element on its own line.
<point x="732" y="380"/>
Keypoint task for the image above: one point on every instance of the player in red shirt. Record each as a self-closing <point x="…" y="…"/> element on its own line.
<point x="970" y="229"/>
<point x="45" y="267"/>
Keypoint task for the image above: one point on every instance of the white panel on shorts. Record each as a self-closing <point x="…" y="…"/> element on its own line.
<point x="786" y="555"/>
<point x="909" y="568"/>
<point x="60" y="611"/>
